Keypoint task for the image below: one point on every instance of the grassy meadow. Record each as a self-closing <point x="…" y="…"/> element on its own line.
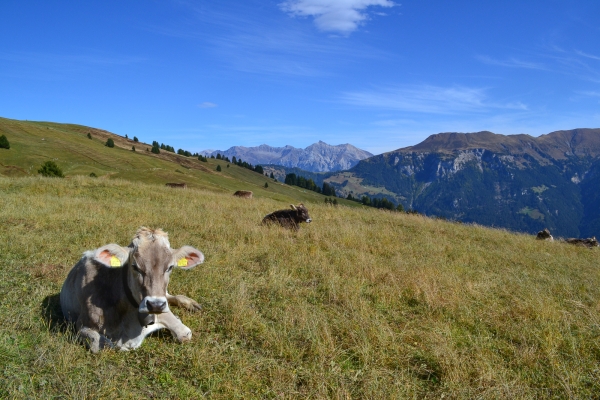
<point x="33" y="143"/>
<point x="361" y="303"/>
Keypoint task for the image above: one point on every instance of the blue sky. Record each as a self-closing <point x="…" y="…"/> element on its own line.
<point x="379" y="74"/>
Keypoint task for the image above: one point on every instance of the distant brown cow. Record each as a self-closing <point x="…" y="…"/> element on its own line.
<point x="591" y="242"/>
<point x="117" y="295"/>
<point x="289" y="218"/>
<point x="177" y="185"/>
<point x="246" y="194"/>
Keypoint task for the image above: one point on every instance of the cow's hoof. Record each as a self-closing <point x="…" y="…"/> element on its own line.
<point x="186" y="337"/>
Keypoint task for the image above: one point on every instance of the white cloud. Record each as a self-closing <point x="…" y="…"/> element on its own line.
<point x="207" y="104"/>
<point x="428" y="99"/>
<point x="342" y="16"/>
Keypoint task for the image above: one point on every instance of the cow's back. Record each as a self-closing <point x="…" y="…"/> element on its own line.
<point x="88" y="284"/>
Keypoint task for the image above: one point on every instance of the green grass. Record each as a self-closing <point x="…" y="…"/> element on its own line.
<point x="359" y="304"/>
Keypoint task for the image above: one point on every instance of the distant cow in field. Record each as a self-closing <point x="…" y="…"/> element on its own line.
<point x="591" y="242"/>
<point x="544" y="235"/>
<point x="289" y="218"/>
<point x="177" y="185"/>
<point x="116" y="296"/>
<point x="246" y="194"/>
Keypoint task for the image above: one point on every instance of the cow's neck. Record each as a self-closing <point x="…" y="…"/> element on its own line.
<point x="126" y="287"/>
<point x="144" y="319"/>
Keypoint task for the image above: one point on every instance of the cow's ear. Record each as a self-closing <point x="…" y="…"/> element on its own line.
<point x="188" y="257"/>
<point x="293" y="207"/>
<point x="112" y="255"/>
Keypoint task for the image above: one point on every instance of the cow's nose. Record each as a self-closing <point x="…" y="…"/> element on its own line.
<point x="156" y="305"/>
<point x="309" y="220"/>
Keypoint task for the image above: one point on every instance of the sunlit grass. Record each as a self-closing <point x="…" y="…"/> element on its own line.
<point x="358" y="304"/>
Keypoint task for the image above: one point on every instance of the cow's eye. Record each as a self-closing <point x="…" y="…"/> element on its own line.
<point x="169" y="269"/>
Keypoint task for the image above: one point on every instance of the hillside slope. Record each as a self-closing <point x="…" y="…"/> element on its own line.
<point x="360" y="303"/>
<point x="517" y="181"/>
<point x="33" y="143"/>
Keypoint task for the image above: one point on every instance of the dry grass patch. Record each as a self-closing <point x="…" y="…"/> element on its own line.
<point x="358" y="304"/>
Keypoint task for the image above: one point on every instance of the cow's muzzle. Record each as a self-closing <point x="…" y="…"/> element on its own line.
<point x="154" y="305"/>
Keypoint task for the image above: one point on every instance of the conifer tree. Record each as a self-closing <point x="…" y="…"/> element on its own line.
<point x="218" y="168"/>
<point x="4" y="142"/>
<point x="89" y="135"/>
<point x="110" y="143"/>
<point x="50" y="169"/>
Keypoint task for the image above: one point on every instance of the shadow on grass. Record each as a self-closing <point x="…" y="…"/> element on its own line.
<point x="53" y="316"/>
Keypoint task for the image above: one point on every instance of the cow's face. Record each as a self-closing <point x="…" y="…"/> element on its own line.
<point x="301" y="213"/>
<point x="152" y="260"/>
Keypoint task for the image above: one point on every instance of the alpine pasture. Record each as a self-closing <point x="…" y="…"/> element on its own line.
<point x="360" y="303"/>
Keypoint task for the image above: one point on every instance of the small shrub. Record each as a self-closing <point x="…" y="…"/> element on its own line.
<point x="93" y="175"/>
<point x="110" y="143"/>
<point x="266" y="185"/>
<point x="50" y="169"/>
<point x="132" y="148"/>
<point x="218" y="168"/>
<point x="89" y="135"/>
<point x="4" y="142"/>
<point x="135" y="139"/>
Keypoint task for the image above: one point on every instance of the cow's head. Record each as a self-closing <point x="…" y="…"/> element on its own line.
<point x="301" y="213"/>
<point x="149" y="261"/>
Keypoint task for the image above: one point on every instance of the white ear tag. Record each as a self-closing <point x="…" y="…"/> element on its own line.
<point x="115" y="262"/>
<point x="182" y="262"/>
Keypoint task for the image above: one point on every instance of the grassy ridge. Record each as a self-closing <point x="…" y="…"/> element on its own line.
<point x="359" y="304"/>
<point x="33" y="143"/>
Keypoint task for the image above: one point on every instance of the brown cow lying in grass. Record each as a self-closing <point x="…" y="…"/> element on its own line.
<point x="177" y="185"/>
<point x="289" y="218"/>
<point x="117" y="295"/>
<point x="245" y="194"/>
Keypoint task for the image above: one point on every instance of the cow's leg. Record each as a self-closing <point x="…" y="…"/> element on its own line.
<point x="180" y="332"/>
<point x="94" y="340"/>
<point x="184" y="302"/>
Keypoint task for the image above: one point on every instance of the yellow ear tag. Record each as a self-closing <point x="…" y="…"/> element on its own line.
<point x="182" y="262"/>
<point x="115" y="262"/>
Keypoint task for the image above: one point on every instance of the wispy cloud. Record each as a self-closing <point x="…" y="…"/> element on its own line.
<point x="428" y="99"/>
<point x="553" y="59"/>
<point x="49" y="59"/>
<point x="257" y="38"/>
<point x="589" y="93"/>
<point x="581" y="53"/>
<point x="511" y="63"/>
<point x="342" y="16"/>
<point x="207" y="104"/>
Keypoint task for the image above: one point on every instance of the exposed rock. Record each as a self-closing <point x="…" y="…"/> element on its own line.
<point x="590" y="242"/>
<point x="318" y="157"/>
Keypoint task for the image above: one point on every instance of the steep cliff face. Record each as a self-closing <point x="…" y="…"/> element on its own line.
<point x="318" y="157"/>
<point x="517" y="182"/>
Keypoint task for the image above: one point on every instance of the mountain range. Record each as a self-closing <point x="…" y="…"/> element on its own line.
<point x="518" y="182"/>
<point x="318" y="157"/>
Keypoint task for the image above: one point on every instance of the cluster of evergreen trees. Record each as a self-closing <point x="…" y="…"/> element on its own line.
<point x="182" y="152"/>
<point x="309" y="184"/>
<point x="376" y="202"/>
